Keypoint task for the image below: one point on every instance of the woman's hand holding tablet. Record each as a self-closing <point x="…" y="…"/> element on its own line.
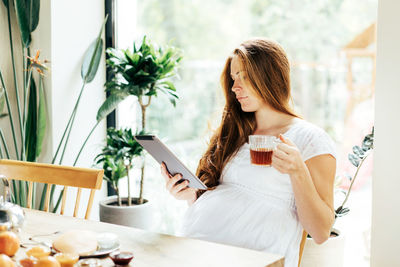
<point x="173" y="165"/>
<point x="178" y="187"/>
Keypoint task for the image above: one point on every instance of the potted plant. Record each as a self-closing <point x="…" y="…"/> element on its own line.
<point x="117" y="159"/>
<point x="142" y="72"/>
<point x="331" y="253"/>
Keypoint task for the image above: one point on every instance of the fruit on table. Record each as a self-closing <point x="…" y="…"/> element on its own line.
<point x="67" y="260"/>
<point x="28" y="262"/>
<point x="5" y="261"/>
<point x="38" y="251"/>
<point x="47" y="261"/>
<point x="9" y="243"/>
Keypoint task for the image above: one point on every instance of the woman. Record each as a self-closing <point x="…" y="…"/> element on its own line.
<point x="251" y="206"/>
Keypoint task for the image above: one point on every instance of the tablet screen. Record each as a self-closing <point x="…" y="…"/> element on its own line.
<point x="161" y="153"/>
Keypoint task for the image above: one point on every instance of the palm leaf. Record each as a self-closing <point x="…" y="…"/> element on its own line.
<point x="28" y="18"/>
<point x="31" y="124"/>
<point x="169" y="85"/>
<point x="91" y="61"/>
<point x="41" y="119"/>
<point x="2" y="99"/>
<point x="109" y="105"/>
<point x="172" y="97"/>
<point x="92" y="57"/>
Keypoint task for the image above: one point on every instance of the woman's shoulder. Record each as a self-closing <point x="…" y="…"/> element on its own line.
<point x="305" y="129"/>
<point x="311" y="139"/>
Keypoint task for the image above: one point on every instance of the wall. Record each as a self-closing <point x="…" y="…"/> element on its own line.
<point x="65" y="31"/>
<point x="385" y="237"/>
<point x="74" y="26"/>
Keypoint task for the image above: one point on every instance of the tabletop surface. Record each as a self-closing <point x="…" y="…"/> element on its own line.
<point x="150" y="249"/>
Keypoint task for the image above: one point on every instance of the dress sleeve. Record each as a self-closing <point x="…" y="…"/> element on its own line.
<point x="317" y="142"/>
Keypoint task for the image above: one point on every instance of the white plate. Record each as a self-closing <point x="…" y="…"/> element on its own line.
<point x="106" y="243"/>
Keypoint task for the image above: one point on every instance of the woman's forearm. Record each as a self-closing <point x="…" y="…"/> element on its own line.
<point x="314" y="213"/>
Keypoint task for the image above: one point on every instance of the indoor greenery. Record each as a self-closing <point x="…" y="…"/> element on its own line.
<point x="357" y="158"/>
<point x="117" y="158"/>
<point x="29" y="125"/>
<point x="142" y="72"/>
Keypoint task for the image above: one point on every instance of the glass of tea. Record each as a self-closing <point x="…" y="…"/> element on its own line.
<point x="261" y="149"/>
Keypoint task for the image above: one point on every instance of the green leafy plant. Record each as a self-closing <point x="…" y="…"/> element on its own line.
<point x="31" y="111"/>
<point x="357" y="158"/>
<point x="117" y="157"/>
<point x="143" y="72"/>
<point x="29" y="126"/>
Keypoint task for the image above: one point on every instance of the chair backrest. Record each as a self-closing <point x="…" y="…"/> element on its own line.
<point x="302" y="244"/>
<point x="54" y="175"/>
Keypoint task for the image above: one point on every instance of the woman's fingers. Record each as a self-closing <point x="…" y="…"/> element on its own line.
<point x="172" y="181"/>
<point x="280" y="154"/>
<point x="165" y="175"/>
<point x="285" y="148"/>
<point x="280" y="169"/>
<point x="277" y="161"/>
<point x="279" y="165"/>
<point x="178" y="187"/>
<point x="286" y="140"/>
<point x="165" y="172"/>
<point x="287" y="165"/>
<point x="179" y="190"/>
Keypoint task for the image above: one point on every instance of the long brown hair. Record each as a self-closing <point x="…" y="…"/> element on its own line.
<point x="267" y="69"/>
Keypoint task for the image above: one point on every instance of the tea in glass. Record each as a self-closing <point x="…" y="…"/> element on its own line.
<point x="261" y="149"/>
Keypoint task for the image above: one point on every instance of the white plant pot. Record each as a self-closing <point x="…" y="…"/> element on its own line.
<point x="138" y="216"/>
<point x="328" y="254"/>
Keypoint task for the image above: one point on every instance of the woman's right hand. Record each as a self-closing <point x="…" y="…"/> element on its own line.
<point x="180" y="190"/>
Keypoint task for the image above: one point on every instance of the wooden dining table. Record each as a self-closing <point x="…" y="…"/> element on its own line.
<point x="149" y="248"/>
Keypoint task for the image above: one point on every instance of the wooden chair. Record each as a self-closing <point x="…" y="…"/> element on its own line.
<point x="302" y="244"/>
<point x="57" y="175"/>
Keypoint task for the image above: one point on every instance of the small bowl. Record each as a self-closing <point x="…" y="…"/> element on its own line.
<point x="67" y="259"/>
<point x="121" y="258"/>
<point x="38" y="252"/>
<point x="28" y="261"/>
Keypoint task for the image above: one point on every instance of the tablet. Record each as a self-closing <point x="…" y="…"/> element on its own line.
<point x="161" y="153"/>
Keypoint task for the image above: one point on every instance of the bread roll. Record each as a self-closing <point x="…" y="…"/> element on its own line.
<point x="77" y="242"/>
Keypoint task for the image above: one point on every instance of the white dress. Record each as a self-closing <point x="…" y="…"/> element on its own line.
<point x="254" y="207"/>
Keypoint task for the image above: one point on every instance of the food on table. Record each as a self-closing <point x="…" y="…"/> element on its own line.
<point x="121" y="258"/>
<point x="38" y="251"/>
<point x="4" y="227"/>
<point x="47" y="261"/>
<point x="5" y="261"/>
<point x="79" y="242"/>
<point x="28" y="262"/>
<point x="9" y="243"/>
<point x="89" y="263"/>
<point x="66" y="260"/>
